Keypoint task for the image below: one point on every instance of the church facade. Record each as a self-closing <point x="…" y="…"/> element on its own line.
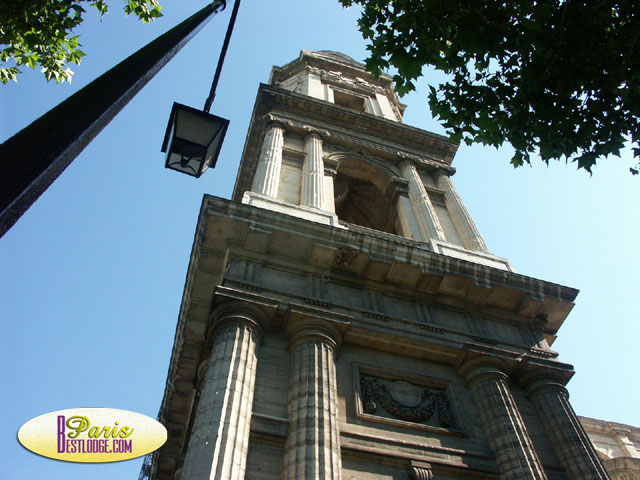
<point x="343" y="318"/>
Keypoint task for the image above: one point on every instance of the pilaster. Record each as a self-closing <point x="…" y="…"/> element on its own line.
<point x="469" y="234"/>
<point x="427" y="219"/>
<point x="219" y="438"/>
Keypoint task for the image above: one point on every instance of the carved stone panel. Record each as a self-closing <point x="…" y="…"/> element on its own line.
<point x="406" y="399"/>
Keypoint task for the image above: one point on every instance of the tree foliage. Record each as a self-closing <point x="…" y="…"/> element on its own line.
<point x="38" y="32"/>
<point x="556" y="78"/>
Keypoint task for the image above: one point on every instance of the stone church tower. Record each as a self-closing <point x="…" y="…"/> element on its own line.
<point x="343" y="319"/>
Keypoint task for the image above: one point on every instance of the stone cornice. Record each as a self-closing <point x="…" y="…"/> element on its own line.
<point x="555" y="301"/>
<point x="321" y="64"/>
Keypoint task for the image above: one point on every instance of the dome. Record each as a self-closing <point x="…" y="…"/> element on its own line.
<point x="338" y="57"/>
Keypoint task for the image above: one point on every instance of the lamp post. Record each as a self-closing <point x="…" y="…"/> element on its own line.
<point x="193" y="138"/>
<point x="33" y="158"/>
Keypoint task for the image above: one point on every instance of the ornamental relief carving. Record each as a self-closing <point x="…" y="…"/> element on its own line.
<point x="405" y="401"/>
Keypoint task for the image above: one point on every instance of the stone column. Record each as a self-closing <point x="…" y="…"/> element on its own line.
<point x="312" y="188"/>
<point x="220" y="434"/>
<point x="569" y="440"/>
<point x="312" y="449"/>
<point x="502" y="422"/>
<point x="469" y="234"/>
<point x="267" y="176"/>
<point x="425" y="214"/>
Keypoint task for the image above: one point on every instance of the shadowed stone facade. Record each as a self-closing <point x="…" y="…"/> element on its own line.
<point x="343" y="318"/>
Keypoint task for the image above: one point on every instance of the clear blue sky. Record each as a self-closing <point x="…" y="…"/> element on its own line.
<point x="92" y="275"/>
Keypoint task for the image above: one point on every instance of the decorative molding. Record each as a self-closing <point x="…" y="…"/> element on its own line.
<point x="420" y="471"/>
<point x="425" y="163"/>
<point x="377" y="316"/>
<point x="346" y="255"/>
<point x="245" y="286"/>
<point x="484" y="340"/>
<point x="323" y="134"/>
<point x="405" y="401"/>
<point x="318" y="303"/>
<point x="431" y="328"/>
<point x="270" y="118"/>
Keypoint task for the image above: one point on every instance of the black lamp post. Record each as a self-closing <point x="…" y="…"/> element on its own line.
<point x="33" y="158"/>
<point x="194" y="138"/>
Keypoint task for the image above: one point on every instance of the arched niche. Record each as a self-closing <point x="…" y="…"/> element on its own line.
<point x="359" y="195"/>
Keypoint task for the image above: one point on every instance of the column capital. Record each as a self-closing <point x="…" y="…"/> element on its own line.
<point x="539" y="379"/>
<point x="420" y="471"/>
<point x="397" y="186"/>
<point x="234" y="313"/>
<point x="407" y="160"/>
<point x="312" y="329"/>
<point x="443" y="171"/>
<point x="537" y="375"/>
<point x="271" y="119"/>
<point x="306" y="323"/>
<point x="483" y="369"/>
<point x="425" y="163"/>
<point x="309" y="131"/>
<point x="543" y="384"/>
<point x="476" y="363"/>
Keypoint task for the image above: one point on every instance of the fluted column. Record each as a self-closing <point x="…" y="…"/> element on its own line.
<point x="425" y="214"/>
<point x="565" y="432"/>
<point x="220" y="434"/>
<point x="312" y="188"/>
<point x="312" y="449"/>
<point x="469" y="234"/>
<point x="503" y="424"/>
<point x="267" y="176"/>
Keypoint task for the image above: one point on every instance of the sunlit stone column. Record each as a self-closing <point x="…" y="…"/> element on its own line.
<point x="220" y="434"/>
<point x="425" y="214"/>
<point x="312" y="188"/>
<point x="312" y="449"/>
<point x="267" y="176"/>
<point x="503" y="425"/>
<point x="469" y="234"/>
<point x="569" y="440"/>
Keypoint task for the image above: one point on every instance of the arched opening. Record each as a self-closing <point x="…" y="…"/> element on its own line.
<point x="359" y="194"/>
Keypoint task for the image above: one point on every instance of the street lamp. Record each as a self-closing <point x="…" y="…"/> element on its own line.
<point x="193" y="138"/>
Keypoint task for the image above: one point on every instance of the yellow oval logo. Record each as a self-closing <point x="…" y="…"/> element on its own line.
<point x="92" y="435"/>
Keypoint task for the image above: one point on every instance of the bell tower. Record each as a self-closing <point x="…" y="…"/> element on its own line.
<point x="343" y="318"/>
